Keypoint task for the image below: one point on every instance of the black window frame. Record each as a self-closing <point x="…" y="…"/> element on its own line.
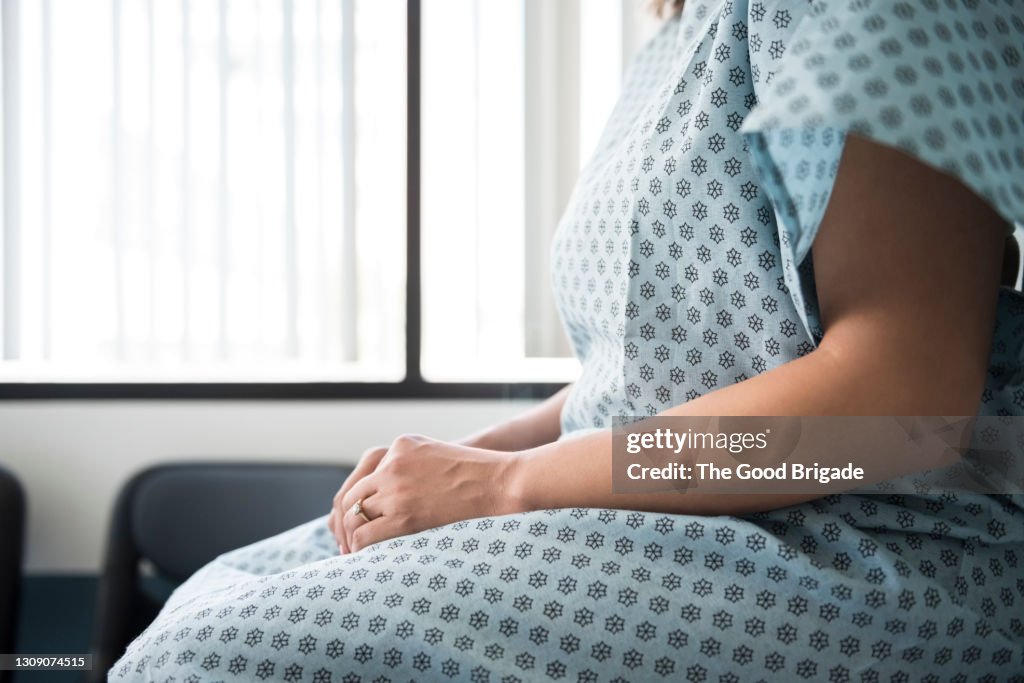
<point x="412" y="386"/>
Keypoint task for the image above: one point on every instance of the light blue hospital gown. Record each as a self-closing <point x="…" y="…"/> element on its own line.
<point x="676" y="270"/>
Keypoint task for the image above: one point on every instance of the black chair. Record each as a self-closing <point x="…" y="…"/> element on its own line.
<point x="12" y="530"/>
<point x="170" y="520"/>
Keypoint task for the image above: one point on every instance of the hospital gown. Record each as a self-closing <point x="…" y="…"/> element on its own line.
<point x="682" y="265"/>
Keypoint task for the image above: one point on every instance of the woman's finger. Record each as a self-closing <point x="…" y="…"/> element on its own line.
<point x="367" y="464"/>
<point x="362" y="490"/>
<point x="352" y="522"/>
<point x="380" y="529"/>
<point x="335" y="525"/>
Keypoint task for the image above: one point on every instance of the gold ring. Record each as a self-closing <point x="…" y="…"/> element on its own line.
<point x="358" y="510"/>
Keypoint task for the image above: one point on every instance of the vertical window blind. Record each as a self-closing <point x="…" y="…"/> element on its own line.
<point x="214" y="190"/>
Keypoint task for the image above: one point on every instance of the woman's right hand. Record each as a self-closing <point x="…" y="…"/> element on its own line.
<point x="539" y="425"/>
<point x="367" y="464"/>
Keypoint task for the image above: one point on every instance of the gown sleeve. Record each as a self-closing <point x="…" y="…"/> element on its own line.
<point x="942" y="80"/>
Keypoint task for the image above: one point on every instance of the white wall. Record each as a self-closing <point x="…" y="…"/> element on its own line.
<point x="73" y="456"/>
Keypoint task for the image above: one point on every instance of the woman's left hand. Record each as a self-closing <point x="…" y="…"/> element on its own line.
<point x="422" y="483"/>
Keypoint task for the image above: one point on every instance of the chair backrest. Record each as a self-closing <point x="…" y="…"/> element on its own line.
<point x="12" y="531"/>
<point x="175" y="518"/>
<point x="183" y="516"/>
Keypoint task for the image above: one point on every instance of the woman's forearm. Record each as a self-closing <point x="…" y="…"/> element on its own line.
<point x="844" y="376"/>
<point x="578" y="472"/>
<point x="538" y="426"/>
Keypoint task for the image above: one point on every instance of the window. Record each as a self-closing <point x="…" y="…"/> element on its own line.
<point x="180" y="190"/>
<point x="215" y="191"/>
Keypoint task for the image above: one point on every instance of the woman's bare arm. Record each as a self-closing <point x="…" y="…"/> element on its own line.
<point x="907" y="266"/>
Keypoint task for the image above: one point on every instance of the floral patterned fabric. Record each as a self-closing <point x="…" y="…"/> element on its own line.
<point x="682" y="266"/>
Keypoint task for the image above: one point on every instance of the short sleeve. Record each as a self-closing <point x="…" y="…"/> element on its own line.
<point x="942" y="80"/>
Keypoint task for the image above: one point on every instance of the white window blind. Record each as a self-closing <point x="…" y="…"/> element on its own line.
<point x="515" y="95"/>
<point x="203" y="189"/>
<point x="214" y="190"/>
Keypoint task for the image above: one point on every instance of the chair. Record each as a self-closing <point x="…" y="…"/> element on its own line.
<point x="170" y="520"/>
<point x="12" y="526"/>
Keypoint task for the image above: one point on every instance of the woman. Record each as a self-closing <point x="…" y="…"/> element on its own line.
<point x="884" y="142"/>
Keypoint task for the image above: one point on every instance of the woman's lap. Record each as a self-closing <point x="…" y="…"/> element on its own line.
<point x="581" y="595"/>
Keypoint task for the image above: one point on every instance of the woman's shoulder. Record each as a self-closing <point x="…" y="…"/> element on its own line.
<point x="941" y="81"/>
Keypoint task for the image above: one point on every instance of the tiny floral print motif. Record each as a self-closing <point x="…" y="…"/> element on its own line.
<point x="682" y="266"/>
